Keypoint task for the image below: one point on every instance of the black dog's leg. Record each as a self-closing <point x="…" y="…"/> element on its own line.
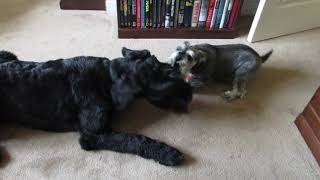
<point x="133" y="144"/>
<point x="95" y="134"/>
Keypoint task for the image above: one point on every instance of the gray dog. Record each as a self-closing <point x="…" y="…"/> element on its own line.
<point x="232" y="63"/>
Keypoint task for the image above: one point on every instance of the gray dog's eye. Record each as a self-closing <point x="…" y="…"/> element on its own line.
<point x="189" y="58"/>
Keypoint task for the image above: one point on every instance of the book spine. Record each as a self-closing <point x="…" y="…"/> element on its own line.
<point x="188" y="13"/>
<point x="176" y="13"/>
<point x="181" y="13"/>
<point x="237" y="14"/>
<point x="195" y="13"/>
<point x="215" y="14"/>
<point x="203" y="13"/>
<point x="121" y="12"/>
<point x="155" y="13"/>
<point x="138" y="6"/>
<point x="134" y="13"/>
<point x="159" y="13"/>
<point x="220" y="11"/>
<point x="163" y="12"/>
<point x="224" y="13"/>
<point x="143" y="12"/>
<point x="173" y="3"/>
<point x="129" y="13"/>
<point x="125" y="9"/>
<point x="168" y="13"/>
<point x="233" y="14"/>
<point x="147" y="15"/>
<point x="210" y="13"/>
<point x="228" y="13"/>
<point x="151" y="13"/>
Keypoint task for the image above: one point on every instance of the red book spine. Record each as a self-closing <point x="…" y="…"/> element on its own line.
<point x="138" y="8"/>
<point x="234" y="13"/>
<point x="195" y="13"/>
<point x="210" y="13"/>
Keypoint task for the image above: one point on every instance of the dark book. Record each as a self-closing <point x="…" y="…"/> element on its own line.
<point x="176" y="13"/>
<point x="159" y="13"/>
<point x="220" y="12"/>
<point x="125" y="9"/>
<point x="181" y="12"/>
<point x="155" y="13"/>
<point x="121" y="13"/>
<point x="188" y="13"/>
<point x="134" y="13"/>
<point x="129" y="13"/>
<point x="173" y="4"/>
<point x="168" y="13"/>
<point x="163" y="12"/>
<point x="143" y="13"/>
<point x="151" y="13"/>
<point x="147" y="15"/>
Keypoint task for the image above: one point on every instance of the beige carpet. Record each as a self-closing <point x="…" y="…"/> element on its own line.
<point x="251" y="139"/>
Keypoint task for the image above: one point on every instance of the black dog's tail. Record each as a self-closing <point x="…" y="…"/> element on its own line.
<point x="266" y="56"/>
<point x="6" y="55"/>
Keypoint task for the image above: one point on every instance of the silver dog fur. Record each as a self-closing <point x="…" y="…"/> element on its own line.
<point x="229" y="63"/>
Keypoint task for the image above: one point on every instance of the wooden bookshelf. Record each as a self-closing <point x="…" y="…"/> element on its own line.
<point x="175" y="33"/>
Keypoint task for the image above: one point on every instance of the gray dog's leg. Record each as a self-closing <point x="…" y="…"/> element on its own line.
<point x="239" y="89"/>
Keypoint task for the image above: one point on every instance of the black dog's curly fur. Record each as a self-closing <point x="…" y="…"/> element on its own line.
<point x="81" y="93"/>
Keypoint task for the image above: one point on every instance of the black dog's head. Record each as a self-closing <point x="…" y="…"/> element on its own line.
<point x="140" y="73"/>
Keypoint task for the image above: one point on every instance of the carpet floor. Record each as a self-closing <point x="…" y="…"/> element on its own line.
<point x="251" y="139"/>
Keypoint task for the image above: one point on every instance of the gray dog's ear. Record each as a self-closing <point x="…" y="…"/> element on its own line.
<point x="179" y="49"/>
<point x="186" y="44"/>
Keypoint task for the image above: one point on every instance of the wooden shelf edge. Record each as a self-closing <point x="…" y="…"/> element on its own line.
<point x="98" y="5"/>
<point x="176" y="33"/>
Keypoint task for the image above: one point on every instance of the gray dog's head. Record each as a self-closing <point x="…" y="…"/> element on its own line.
<point x="187" y="58"/>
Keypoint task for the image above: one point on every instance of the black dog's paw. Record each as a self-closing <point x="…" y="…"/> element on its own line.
<point x="87" y="143"/>
<point x="172" y="158"/>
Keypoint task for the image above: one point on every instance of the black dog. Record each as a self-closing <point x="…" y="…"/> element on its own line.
<point x="81" y="94"/>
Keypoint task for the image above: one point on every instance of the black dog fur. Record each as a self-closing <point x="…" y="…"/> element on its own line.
<point x="81" y="94"/>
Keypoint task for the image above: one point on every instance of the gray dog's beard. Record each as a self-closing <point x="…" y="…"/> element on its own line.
<point x="185" y="65"/>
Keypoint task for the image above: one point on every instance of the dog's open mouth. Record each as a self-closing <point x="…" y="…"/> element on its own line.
<point x="188" y="77"/>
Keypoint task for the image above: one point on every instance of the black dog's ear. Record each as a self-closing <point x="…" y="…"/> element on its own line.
<point x="135" y="54"/>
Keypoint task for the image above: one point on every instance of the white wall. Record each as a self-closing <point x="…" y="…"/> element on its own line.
<point x="249" y="7"/>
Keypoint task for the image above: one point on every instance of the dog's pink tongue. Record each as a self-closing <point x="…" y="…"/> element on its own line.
<point x="188" y="77"/>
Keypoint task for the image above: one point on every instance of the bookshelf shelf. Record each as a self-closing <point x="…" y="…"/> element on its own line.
<point x="175" y="33"/>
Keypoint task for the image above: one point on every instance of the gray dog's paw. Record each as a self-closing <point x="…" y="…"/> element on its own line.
<point x="233" y="95"/>
<point x="229" y="96"/>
